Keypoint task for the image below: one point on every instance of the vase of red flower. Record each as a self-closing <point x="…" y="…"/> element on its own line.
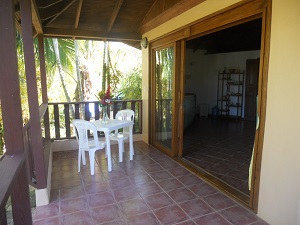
<point x="104" y="102"/>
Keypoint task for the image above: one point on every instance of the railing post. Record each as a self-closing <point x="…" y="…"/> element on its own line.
<point x="115" y="109"/>
<point x="47" y="124"/>
<point x="56" y="121"/>
<point x="12" y="112"/>
<point x="77" y="113"/>
<point x="97" y="113"/>
<point x="124" y="105"/>
<point x="20" y="194"/>
<point x="67" y="120"/>
<point x="87" y="111"/>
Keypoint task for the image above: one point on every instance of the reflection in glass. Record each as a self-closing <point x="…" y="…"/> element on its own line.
<point x="164" y="74"/>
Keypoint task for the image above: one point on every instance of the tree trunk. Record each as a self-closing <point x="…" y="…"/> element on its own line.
<point x="79" y="85"/>
<point x="104" y="65"/>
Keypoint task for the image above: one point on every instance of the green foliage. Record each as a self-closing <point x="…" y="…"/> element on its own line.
<point x="131" y="85"/>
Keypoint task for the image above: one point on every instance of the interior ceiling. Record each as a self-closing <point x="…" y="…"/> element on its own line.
<point x="243" y="37"/>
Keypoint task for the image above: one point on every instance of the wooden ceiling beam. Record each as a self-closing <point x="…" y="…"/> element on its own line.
<point x="42" y="4"/>
<point x="114" y="15"/>
<point x="90" y="34"/>
<point x="36" y="20"/>
<point x="78" y="13"/>
<point x="63" y="7"/>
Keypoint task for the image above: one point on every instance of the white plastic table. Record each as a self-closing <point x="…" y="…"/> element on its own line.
<point x="110" y="126"/>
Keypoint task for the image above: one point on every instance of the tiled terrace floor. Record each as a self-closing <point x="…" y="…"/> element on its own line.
<point x="151" y="189"/>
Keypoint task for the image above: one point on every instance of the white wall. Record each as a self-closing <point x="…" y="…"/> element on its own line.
<point x="202" y="72"/>
<point x="280" y="172"/>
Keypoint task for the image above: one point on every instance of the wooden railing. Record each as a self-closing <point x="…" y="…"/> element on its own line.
<point x="13" y="183"/>
<point x="64" y="112"/>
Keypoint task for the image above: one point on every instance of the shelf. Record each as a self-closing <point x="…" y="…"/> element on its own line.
<point x="230" y="94"/>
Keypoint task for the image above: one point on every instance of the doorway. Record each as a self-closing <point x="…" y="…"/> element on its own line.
<point x="222" y="76"/>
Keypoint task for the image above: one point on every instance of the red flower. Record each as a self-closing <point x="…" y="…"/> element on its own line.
<point x="105" y="98"/>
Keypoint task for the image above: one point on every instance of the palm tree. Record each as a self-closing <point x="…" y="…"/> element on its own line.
<point x="59" y="64"/>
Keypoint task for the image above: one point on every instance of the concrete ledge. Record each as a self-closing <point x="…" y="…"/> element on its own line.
<point x="42" y="196"/>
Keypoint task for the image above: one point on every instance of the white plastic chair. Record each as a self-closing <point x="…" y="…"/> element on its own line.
<point x="81" y="131"/>
<point x="120" y="137"/>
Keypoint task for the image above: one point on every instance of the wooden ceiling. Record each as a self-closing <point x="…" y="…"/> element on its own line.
<point x="120" y="20"/>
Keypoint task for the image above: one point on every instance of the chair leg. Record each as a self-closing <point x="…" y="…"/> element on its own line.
<point x="121" y="149"/>
<point x="79" y="159"/>
<point x="92" y="162"/>
<point x="83" y="157"/>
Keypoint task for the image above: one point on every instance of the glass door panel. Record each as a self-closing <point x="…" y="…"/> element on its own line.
<point x="164" y="85"/>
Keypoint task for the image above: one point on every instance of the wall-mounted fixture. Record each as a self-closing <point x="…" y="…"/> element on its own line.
<point x="144" y="42"/>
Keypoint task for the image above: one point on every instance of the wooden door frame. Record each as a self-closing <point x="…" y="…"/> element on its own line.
<point x="238" y="13"/>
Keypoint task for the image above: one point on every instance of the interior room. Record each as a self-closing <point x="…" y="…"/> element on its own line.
<point x="221" y="83"/>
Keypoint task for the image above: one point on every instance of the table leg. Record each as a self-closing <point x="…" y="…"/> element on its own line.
<point x="107" y="140"/>
<point x="131" y="142"/>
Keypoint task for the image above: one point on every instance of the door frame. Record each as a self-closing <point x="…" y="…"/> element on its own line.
<point x="233" y="15"/>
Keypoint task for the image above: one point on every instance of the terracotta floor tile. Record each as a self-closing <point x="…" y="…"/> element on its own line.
<point x="73" y="205"/>
<point x="219" y="201"/>
<point x="46" y="211"/>
<point x="101" y="199"/>
<point x="238" y="215"/>
<point x="120" y="183"/>
<point x="77" y="218"/>
<point x="152" y="168"/>
<point x="211" y="219"/>
<point x="160" y="175"/>
<point x="171" y="215"/>
<point x="141" y="179"/>
<point x="89" y="179"/>
<point x="178" y="171"/>
<point x="125" y="194"/>
<point x="105" y="214"/>
<point x="96" y="187"/>
<point x="189" y="222"/>
<point x="148" y="189"/>
<point x="158" y="200"/>
<point x="115" y="222"/>
<point x="134" y="207"/>
<point x="190" y="179"/>
<point x="71" y="192"/>
<point x="195" y="208"/>
<point x="182" y="194"/>
<point x="202" y="189"/>
<point x="143" y="219"/>
<point x="169" y="165"/>
<point x="170" y="184"/>
<point x="47" y="221"/>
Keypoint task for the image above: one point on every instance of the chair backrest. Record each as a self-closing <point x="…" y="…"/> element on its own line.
<point x="125" y="114"/>
<point x="81" y="131"/>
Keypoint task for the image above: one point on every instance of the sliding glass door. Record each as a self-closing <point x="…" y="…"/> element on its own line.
<point x="163" y="96"/>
